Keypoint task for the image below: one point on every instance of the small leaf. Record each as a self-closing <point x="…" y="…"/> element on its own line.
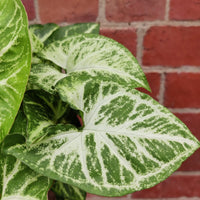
<point x="17" y="181"/>
<point x="67" y="192"/>
<point x="96" y="56"/>
<point x="42" y="111"/>
<point x="129" y="142"/>
<point x="43" y="32"/>
<point x="15" y="59"/>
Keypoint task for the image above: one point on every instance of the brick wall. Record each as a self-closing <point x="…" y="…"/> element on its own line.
<point x="164" y="35"/>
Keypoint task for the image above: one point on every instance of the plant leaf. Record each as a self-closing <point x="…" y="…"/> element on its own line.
<point x="96" y="56"/>
<point x="42" y="111"/>
<point x="17" y="181"/>
<point x="129" y="142"/>
<point x="44" y="76"/>
<point x="63" y="32"/>
<point x="20" y="124"/>
<point x="43" y="32"/>
<point x="67" y="192"/>
<point x="36" y="44"/>
<point x="15" y="59"/>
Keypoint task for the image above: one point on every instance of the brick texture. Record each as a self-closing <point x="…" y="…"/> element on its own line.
<point x="127" y="37"/>
<point x="192" y="121"/>
<point x="68" y="11"/>
<point x="172" y="46"/>
<point x="182" y="90"/>
<point x="135" y="10"/>
<point x="173" y="187"/>
<point x="30" y="9"/>
<point x="185" y="10"/>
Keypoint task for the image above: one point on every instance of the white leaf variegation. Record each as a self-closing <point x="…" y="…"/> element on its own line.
<point x="44" y="76"/>
<point x="43" y="32"/>
<point x="96" y="56"/>
<point x="67" y="192"/>
<point x="63" y="32"/>
<point x="129" y="142"/>
<point x="19" y="182"/>
<point x="15" y="58"/>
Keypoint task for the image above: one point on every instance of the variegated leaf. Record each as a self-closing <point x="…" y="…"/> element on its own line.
<point x="44" y="76"/>
<point x="42" y="111"/>
<point x="17" y="181"/>
<point x="67" y="192"/>
<point x="36" y="44"/>
<point x="96" y="56"/>
<point x="129" y="142"/>
<point x="63" y="32"/>
<point x="43" y="32"/>
<point x="15" y="58"/>
<point x="39" y="34"/>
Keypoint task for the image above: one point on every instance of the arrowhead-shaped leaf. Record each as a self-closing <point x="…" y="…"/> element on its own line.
<point x="44" y="75"/>
<point x="15" y="58"/>
<point x="96" y="56"/>
<point x="67" y="192"/>
<point x="129" y="142"/>
<point x="17" y="181"/>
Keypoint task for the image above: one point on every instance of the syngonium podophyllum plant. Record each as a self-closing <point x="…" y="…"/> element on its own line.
<point x="126" y="142"/>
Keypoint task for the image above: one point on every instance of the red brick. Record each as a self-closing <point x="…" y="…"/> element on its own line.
<point x="182" y="90"/>
<point x="185" y="9"/>
<point x="192" y="121"/>
<point x="68" y="10"/>
<point x="173" y="187"/>
<point x="154" y="82"/>
<point x="172" y="46"/>
<point x="192" y="163"/>
<point x="135" y="10"/>
<point x="30" y="9"/>
<point x="127" y="37"/>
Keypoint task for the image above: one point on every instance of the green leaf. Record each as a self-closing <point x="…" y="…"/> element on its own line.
<point x="97" y="56"/>
<point x="70" y="30"/>
<point x="67" y="192"/>
<point x="42" y="111"/>
<point x="20" y="124"/>
<point x="36" y="44"/>
<point x="43" y="32"/>
<point x="129" y="142"/>
<point x="44" y="76"/>
<point x="15" y="59"/>
<point x="17" y="181"/>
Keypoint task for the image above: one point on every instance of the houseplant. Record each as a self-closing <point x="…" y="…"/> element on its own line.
<point x="126" y="140"/>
